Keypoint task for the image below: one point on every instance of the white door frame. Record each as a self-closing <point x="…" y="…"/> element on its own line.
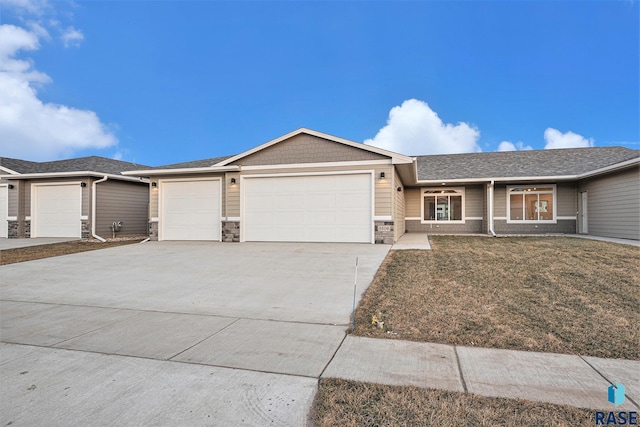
<point x="5" y="210"/>
<point x="583" y="212"/>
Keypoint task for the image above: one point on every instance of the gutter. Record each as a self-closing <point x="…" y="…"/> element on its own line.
<point x="490" y="204"/>
<point x="93" y="208"/>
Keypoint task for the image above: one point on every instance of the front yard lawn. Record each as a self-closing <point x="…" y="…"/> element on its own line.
<point x="548" y="294"/>
<point x="30" y="253"/>
<point x="349" y="403"/>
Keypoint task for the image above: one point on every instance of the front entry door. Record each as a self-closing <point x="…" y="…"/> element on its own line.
<point x="583" y="227"/>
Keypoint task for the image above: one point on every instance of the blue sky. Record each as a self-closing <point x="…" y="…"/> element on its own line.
<point x="159" y="82"/>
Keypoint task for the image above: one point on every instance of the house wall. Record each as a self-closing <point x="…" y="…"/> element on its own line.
<point x="20" y="204"/>
<point x="399" y="226"/>
<point x="122" y="201"/>
<point x="566" y="205"/>
<point x="613" y="204"/>
<point x="305" y="148"/>
<point x="474" y="206"/>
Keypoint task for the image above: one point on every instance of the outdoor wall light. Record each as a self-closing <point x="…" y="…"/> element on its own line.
<point x="399" y="189"/>
<point x="154" y="184"/>
<point x="10" y="186"/>
<point x="83" y="184"/>
<point x="381" y="175"/>
<point x="233" y="180"/>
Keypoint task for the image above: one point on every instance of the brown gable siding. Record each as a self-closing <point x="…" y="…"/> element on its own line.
<point x="304" y="148"/>
<point x="121" y="201"/>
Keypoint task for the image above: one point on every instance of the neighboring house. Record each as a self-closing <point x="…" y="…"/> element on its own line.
<point x="308" y="186"/>
<point x="71" y="198"/>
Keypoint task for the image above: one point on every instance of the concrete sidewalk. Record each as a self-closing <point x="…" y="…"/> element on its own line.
<point x="24" y="243"/>
<point x="545" y="377"/>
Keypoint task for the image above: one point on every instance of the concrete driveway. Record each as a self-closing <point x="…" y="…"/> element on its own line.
<point x="193" y="333"/>
<point x="23" y="243"/>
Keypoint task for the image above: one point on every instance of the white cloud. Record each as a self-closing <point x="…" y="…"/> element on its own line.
<point x="32" y="129"/>
<point x="557" y="139"/>
<point x="510" y="146"/>
<point x="30" y="6"/>
<point x="72" y="37"/>
<point x="414" y="128"/>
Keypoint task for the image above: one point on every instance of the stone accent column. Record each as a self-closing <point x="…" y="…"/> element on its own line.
<point x="230" y="231"/>
<point x="153" y="230"/>
<point x="384" y="232"/>
<point x="27" y="228"/>
<point x="12" y="232"/>
<point x="85" y="232"/>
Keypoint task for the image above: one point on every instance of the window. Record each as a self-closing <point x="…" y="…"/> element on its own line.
<point x="531" y="204"/>
<point x="443" y="204"/>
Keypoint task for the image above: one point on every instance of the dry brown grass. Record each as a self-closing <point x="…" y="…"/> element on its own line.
<point x="549" y="294"/>
<point x="349" y="403"/>
<point x="11" y="256"/>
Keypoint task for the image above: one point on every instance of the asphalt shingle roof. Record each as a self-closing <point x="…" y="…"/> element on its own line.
<point x="81" y="164"/>
<point x="204" y="163"/>
<point x="558" y="162"/>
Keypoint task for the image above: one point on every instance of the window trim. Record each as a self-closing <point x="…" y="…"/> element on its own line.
<point x="459" y="190"/>
<point x="554" y="193"/>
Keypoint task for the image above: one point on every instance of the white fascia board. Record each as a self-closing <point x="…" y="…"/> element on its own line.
<point x="396" y="158"/>
<point x="611" y="168"/>
<point x="439" y="182"/>
<point x="74" y="174"/>
<point x="10" y="171"/>
<point x="208" y="169"/>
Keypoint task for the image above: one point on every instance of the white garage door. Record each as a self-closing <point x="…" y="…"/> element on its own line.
<point x="3" y="210"/>
<point x="190" y="210"/>
<point x="56" y="210"/>
<point x="321" y="208"/>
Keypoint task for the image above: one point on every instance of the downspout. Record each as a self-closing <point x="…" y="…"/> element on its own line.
<point x="93" y="208"/>
<point x="490" y="204"/>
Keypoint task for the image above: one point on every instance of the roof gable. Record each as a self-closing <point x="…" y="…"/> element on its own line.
<point x="307" y="146"/>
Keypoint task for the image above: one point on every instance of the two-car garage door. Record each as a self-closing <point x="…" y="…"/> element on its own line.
<point x="310" y="208"/>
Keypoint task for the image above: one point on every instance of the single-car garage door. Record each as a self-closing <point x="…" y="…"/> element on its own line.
<point x="3" y="210"/>
<point x="190" y="209"/>
<point x="56" y="210"/>
<point x="316" y="208"/>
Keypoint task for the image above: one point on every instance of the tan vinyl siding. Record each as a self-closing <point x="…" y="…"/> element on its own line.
<point x="121" y="201"/>
<point x="232" y="196"/>
<point x="567" y="199"/>
<point x="474" y="201"/>
<point x="614" y="204"/>
<point x="412" y="202"/>
<point x="399" y="211"/>
<point x="382" y="188"/>
<point x="500" y="201"/>
<point x="307" y="149"/>
<point x="14" y="198"/>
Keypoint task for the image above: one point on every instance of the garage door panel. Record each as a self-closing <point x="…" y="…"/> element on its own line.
<point x="323" y="208"/>
<point x="190" y="210"/>
<point x="57" y="210"/>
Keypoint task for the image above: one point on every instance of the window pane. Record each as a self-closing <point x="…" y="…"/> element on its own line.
<point x="442" y="208"/>
<point x="516" y="207"/>
<point x="530" y="207"/>
<point x="429" y="209"/>
<point x="545" y="207"/>
<point x="456" y="208"/>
